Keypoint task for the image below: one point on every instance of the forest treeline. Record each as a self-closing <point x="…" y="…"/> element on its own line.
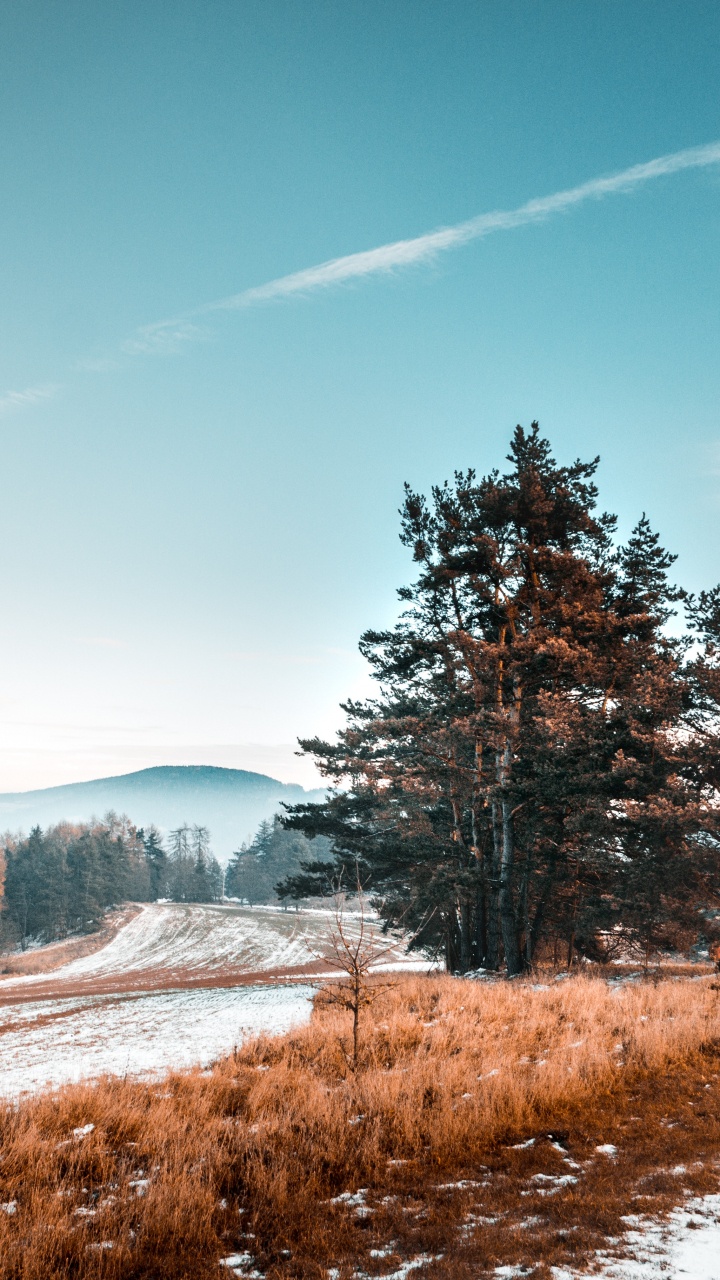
<point x="538" y="773"/>
<point x="64" y="879"/>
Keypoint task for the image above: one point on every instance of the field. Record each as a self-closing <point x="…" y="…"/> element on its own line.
<point x="175" y="986"/>
<point x="491" y="1129"/>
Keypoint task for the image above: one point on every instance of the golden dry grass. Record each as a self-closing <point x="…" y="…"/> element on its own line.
<point x="454" y="1075"/>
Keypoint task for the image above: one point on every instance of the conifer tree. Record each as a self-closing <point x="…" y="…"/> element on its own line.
<point x="64" y="879"/>
<point x="157" y="860"/>
<point x="275" y="854"/>
<point x="525" y="774"/>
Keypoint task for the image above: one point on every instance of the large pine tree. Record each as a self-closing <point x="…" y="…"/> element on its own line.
<point x="529" y="774"/>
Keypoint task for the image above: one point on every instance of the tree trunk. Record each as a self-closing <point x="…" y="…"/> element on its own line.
<point x="480" y="930"/>
<point x="538" y="920"/>
<point x="465" y="935"/>
<point x="493" y="924"/>
<point x="452" y="956"/>
<point x="524" y="909"/>
<point x="356" y="1023"/>
<point x="511" y="943"/>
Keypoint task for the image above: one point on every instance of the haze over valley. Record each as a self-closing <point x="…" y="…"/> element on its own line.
<point x="230" y="803"/>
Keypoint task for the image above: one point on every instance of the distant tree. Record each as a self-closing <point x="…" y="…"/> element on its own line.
<point x="157" y="861"/>
<point x="181" y="866"/>
<point x="63" y="880"/>
<point x="194" y="875"/>
<point x="207" y="872"/>
<point x="274" y="855"/>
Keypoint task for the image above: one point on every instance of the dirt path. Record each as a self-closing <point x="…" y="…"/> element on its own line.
<point x="149" y="981"/>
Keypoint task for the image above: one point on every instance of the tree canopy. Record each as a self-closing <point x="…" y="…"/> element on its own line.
<point x="63" y="880"/>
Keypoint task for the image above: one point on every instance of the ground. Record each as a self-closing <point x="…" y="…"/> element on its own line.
<point x="540" y="1128"/>
<point x="173" y="986"/>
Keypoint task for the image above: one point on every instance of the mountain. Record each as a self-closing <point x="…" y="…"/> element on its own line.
<point x="230" y="802"/>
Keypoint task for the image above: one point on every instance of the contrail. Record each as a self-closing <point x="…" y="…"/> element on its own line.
<point x="425" y="248"/>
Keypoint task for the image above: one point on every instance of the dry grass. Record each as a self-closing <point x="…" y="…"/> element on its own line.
<point x="53" y="955"/>
<point x="248" y="1158"/>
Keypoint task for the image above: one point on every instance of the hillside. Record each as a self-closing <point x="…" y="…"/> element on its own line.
<point x="174" y="984"/>
<point x="230" y="802"/>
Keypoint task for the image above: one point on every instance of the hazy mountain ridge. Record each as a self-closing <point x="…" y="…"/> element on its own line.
<point x="230" y="802"/>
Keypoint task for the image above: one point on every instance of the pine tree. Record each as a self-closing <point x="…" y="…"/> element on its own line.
<point x="63" y="880"/>
<point x="275" y="855"/>
<point x="521" y="777"/>
<point x="157" y="861"/>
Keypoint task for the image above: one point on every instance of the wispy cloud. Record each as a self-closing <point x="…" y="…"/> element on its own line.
<point x="386" y="258"/>
<point x="169" y="336"/>
<point x="164" y="338"/>
<point x="11" y="401"/>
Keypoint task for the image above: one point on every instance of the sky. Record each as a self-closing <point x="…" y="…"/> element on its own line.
<point x="228" y="334"/>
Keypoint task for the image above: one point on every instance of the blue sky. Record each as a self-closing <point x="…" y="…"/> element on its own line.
<point x="197" y="527"/>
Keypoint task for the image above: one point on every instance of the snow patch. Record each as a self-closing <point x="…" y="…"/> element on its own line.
<point x="686" y="1245"/>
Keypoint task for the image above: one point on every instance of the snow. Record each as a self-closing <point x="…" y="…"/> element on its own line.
<point x="54" y="1042"/>
<point x="401" y="1273"/>
<point x="352" y="1198"/>
<point x="686" y="1245"/>
<point x="189" y="938"/>
<point x="202" y="940"/>
<point x="551" y="1183"/>
<point x="164" y="993"/>
<point x="242" y="1264"/>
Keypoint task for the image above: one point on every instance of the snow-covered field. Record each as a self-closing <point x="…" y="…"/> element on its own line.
<point x="53" y="1042"/>
<point x="165" y="992"/>
<point x="186" y="938"/>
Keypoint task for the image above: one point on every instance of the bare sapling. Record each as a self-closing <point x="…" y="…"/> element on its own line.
<point x="353" y="943"/>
